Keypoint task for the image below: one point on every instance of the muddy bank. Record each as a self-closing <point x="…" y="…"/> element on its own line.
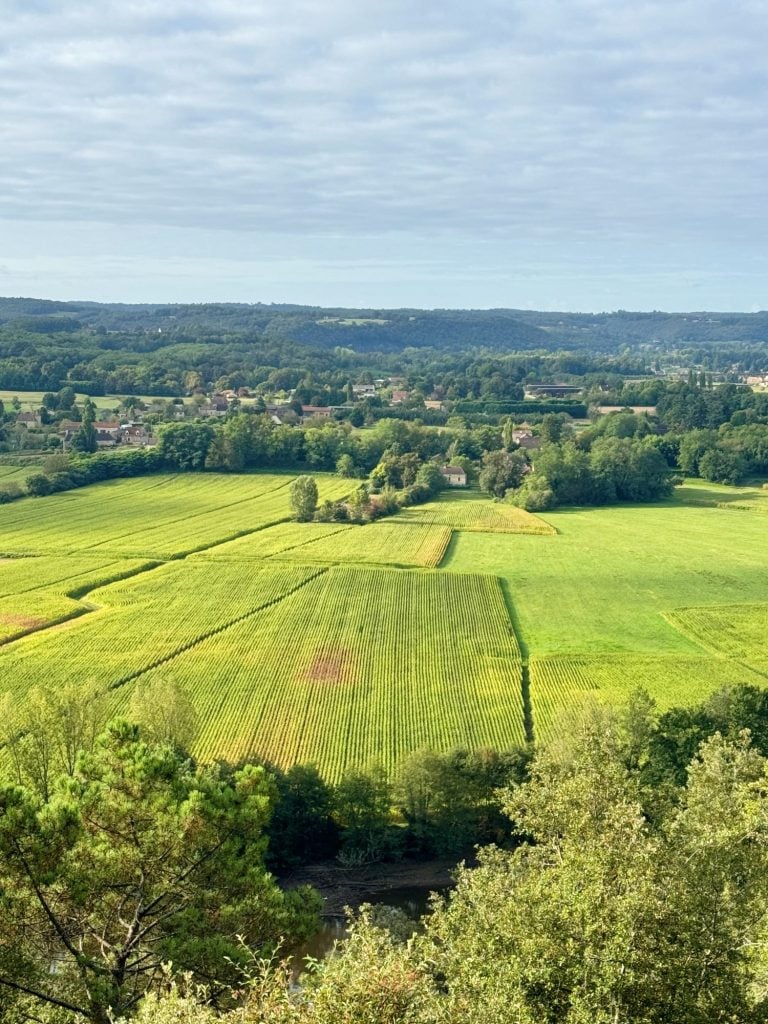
<point x="342" y="886"/>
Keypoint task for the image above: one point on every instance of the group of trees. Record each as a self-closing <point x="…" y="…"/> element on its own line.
<point x="133" y="858"/>
<point x="613" y="469"/>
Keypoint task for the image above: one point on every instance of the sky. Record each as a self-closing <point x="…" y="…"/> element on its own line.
<point x="536" y="154"/>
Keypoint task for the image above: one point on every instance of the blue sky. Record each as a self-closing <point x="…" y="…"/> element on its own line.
<point x="580" y="154"/>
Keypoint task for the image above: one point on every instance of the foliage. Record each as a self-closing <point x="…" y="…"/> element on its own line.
<point x="304" y="498"/>
<point x="138" y="859"/>
<point x="502" y="471"/>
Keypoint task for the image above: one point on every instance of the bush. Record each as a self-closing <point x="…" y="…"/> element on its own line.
<point x="10" y="492"/>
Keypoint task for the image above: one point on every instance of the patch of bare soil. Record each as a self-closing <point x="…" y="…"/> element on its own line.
<point x="24" y="621"/>
<point x="333" y="666"/>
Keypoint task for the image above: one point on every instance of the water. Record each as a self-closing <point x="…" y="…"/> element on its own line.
<point x="413" y="900"/>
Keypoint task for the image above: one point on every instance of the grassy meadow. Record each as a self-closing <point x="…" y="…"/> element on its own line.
<point x="455" y="623"/>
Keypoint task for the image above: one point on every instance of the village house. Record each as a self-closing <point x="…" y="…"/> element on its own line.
<point x="431" y="403"/>
<point x="363" y="390"/>
<point x="217" y="406"/>
<point x="527" y="440"/>
<point x="138" y="436"/>
<point x="29" y="419"/>
<point x="110" y="427"/>
<point x="398" y="397"/>
<point x="315" y="412"/>
<point x="455" y="476"/>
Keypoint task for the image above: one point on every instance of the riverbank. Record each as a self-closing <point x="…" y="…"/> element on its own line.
<point x="342" y="887"/>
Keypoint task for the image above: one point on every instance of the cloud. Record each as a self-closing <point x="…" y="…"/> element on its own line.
<point x="553" y="124"/>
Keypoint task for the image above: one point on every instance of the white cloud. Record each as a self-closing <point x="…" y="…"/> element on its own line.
<point x="552" y="124"/>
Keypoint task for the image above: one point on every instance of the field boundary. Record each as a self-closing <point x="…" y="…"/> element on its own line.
<point x="525" y="677"/>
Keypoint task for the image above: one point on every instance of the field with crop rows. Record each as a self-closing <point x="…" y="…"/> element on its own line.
<point x="274" y="540"/>
<point x="344" y="644"/>
<point x="143" y="621"/>
<point x="159" y="516"/>
<point x="382" y="543"/>
<point x="38" y="592"/>
<point x="482" y="515"/>
<point x="359" y="665"/>
<point x="559" y="684"/>
<point x="737" y="630"/>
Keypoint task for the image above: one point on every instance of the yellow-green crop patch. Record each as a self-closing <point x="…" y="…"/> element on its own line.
<point x="560" y="683"/>
<point x="382" y="543"/>
<point x="39" y="592"/>
<point x="274" y="540"/>
<point x="143" y="621"/>
<point x="160" y="516"/>
<point x="737" y="630"/>
<point x="481" y="515"/>
<point x="358" y="665"/>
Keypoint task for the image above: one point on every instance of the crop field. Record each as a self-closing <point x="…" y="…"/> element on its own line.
<point x="607" y="580"/>
<point x="40" y="592"/>
<point x="462" y="512"/>
<point x="558" y="684"/>
<point x="274" y="540"/>
<point x="343" y="644"/>
<point x="672" y="597"/>
<point x="737" y="630"/>
<point x="143" y="621"/>
<point x="383" y="543"/>
<point x="358" y="665"/>
<point x="380" y="543"/>
<point x="159" y="516"/>
<point x="16" y="474"/>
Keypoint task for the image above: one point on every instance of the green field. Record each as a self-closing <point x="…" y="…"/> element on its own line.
<point x="465" y="511"/>
<point x="359" y="665"/>
<point x="671" y="597"/>
<point x="343" y="644"/>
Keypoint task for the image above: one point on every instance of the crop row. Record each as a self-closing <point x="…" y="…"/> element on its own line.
<point x="359" y="665"/>
<point x="559" y="684"/>
<point x="738" y="630"/>
<point x="477" y="515"/>
<point x="144" y="621"/>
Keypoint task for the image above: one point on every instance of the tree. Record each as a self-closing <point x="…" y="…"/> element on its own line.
<point x="136" y="860"/>
<point x="303" y="497"/>
<point x="84" y="440"/>
<point x="45" y="735"/>
<point x="165" y="713"/>
<point x="501" y="471"/>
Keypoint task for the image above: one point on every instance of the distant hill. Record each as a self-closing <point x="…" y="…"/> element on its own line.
<point x="392" y="330"/>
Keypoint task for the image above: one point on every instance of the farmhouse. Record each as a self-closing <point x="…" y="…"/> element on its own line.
<point x="29" y="419"/>
<point x="108" y="427"/>
<point x="398" y="397"/>
<point x="138" y="437"/>
<point x="312" y="412"/>
<point x="526" y="439"/>
<point x="454" y="476"/>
